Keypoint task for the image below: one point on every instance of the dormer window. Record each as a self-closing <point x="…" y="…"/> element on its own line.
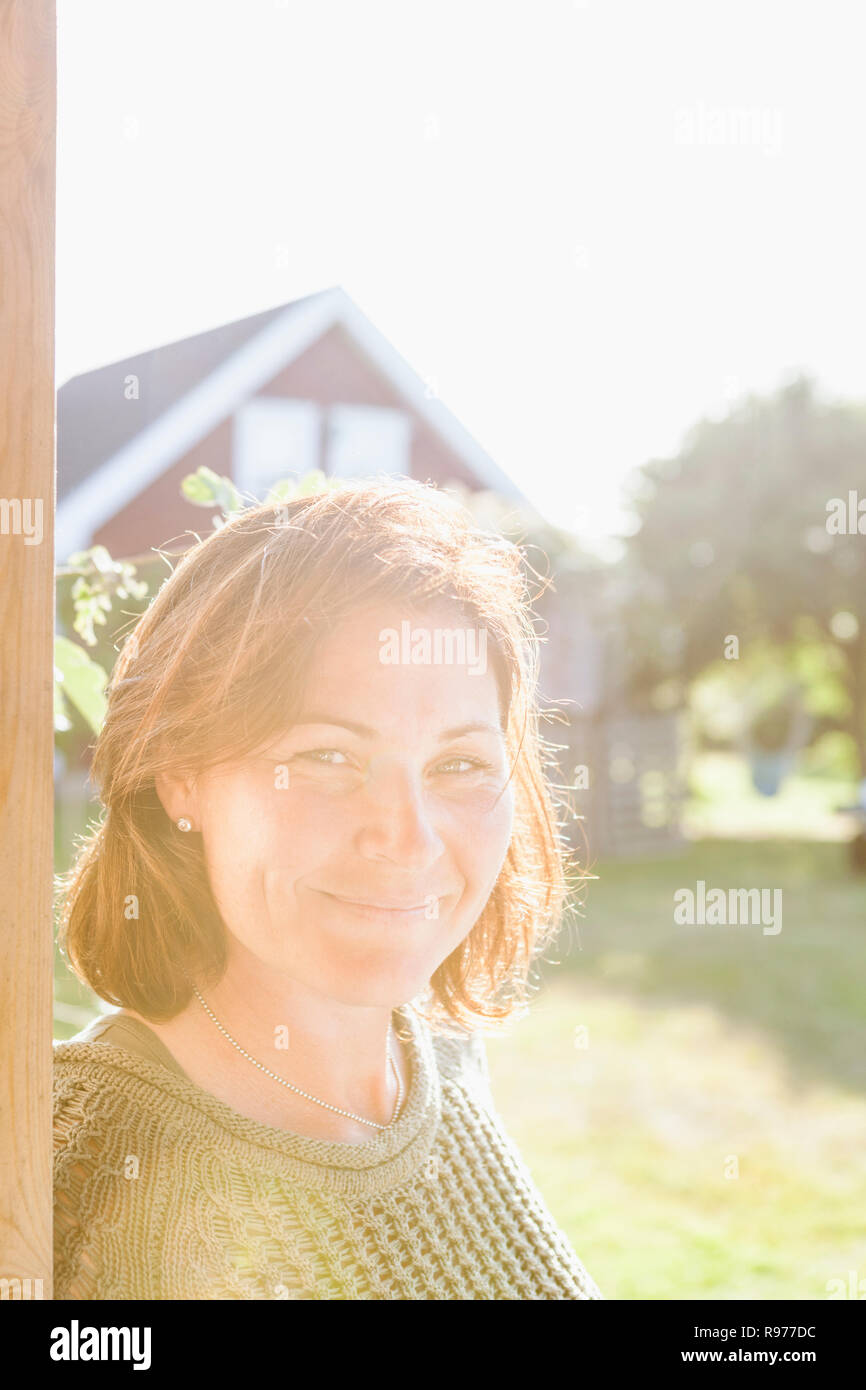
<point x="278" y="437"/>
<point x="274" y="437"/>
<point x="367" y="439"/>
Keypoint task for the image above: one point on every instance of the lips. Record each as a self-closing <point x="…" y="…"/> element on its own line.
<point x="380" y="906"/>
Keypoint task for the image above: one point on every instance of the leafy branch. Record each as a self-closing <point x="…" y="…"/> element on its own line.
<point x="101" y="581"/>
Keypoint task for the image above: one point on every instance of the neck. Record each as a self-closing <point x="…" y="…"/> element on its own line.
<point x="336" y="1051"/>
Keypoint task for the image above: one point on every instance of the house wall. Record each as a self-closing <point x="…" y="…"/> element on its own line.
<point x="333" y="370"/>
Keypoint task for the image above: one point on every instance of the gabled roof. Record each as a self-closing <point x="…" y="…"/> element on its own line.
<point x="106" y="458"/>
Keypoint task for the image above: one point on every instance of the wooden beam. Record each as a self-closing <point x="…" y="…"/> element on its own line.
<point x="27" y="200"/>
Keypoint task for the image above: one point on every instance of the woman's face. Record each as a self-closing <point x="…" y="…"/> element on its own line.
<point x="355" y="852"/>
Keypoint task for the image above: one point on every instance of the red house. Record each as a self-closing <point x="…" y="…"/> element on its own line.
<point x="310" y="384"/>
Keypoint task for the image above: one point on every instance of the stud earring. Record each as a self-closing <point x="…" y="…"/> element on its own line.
<point x="184" y="824"/>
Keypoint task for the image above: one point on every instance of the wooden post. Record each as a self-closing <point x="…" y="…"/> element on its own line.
<point x="27" y="181"/>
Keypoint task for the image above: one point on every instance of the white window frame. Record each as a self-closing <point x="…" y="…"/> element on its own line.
<point x="352" y="448"/>
<point x="257" y="444"/>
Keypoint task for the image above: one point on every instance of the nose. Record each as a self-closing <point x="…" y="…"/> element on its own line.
<point x="396" y="824"/>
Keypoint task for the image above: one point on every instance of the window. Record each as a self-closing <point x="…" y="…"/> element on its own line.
<point x="367" y="439"/>
<point x="274" y="437"/>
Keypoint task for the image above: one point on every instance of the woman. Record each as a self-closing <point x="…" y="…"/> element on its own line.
<point x="328" y="857"/>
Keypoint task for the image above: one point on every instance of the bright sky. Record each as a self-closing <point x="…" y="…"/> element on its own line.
<point x="588" y="222"/>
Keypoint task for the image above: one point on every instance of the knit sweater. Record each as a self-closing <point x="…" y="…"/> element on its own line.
<point x="162" y="1191"/>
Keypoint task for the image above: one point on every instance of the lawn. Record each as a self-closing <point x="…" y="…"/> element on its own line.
<point x="709" y="1141"/>
<point x="724" y="802"/>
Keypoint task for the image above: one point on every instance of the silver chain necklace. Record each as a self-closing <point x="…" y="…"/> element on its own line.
<point x="336" y="1109"/>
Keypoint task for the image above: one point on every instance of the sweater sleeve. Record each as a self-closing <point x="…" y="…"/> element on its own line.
<point x="466" y="1062"/>
<point x="76" y="1157"/>
<point x="99" y="1202"/>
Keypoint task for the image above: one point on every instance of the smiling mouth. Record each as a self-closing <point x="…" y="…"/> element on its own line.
<point x="397" y="909"/>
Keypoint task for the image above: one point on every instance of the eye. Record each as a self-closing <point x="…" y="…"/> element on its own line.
<point x="457" y="766"/>
<point x="330" y="757"/>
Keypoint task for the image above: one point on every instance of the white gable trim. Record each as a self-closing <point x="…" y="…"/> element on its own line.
<point x="409" y="386"/>
<point x="130" y="470"/>
<point x="126" y="473"/>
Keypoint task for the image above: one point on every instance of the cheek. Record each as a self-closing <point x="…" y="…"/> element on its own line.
<point x="248" y="829"/>
<point x="480" y="833"/>
<point x="311" y="821"/>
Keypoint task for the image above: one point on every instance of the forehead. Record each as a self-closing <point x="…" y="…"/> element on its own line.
<point x="388" y="666"/>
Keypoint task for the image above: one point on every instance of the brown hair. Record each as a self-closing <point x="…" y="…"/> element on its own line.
<point x="212" y="670"/>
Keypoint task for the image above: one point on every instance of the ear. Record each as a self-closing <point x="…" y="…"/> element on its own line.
<point x="179" y="797"/>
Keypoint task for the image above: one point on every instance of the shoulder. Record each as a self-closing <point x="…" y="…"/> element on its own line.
<point x="462" y="1061"/>
<point x="83" y="1077"/>
<point x="107" y="1067"/>
<point x="103" y="1089"/>
<point x="132" y="1034"/>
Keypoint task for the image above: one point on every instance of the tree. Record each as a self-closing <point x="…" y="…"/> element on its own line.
<point x="756" y="530"/>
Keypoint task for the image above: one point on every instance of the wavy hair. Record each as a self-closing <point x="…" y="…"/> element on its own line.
<point x="215" y="667"/>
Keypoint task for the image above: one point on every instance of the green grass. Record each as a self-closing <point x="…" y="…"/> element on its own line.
<point x="713" y="1051"/>
<point x="724" y="802"/>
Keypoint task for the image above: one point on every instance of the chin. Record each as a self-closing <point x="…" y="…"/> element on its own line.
<point x="379" y="988"/>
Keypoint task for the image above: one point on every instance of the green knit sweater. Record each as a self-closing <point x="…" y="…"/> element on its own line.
<point x="162" y="1191"/>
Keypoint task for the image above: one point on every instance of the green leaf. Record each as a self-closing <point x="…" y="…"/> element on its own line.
<point x="201" y="487"/>
<point x="80" y="680"/>
<point x="311" y="483"/>
<point x="204" y="488"/>
<point x="80" y="559"/>
<point x="281" y="491"/>
<point x="102" y="560"/>
<point x="90" y="608"/>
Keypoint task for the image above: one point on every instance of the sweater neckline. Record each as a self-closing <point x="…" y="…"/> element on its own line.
<point x="390" y="1157"/>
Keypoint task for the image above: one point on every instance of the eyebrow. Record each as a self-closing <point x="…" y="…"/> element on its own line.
<point x="364" y="730"/>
